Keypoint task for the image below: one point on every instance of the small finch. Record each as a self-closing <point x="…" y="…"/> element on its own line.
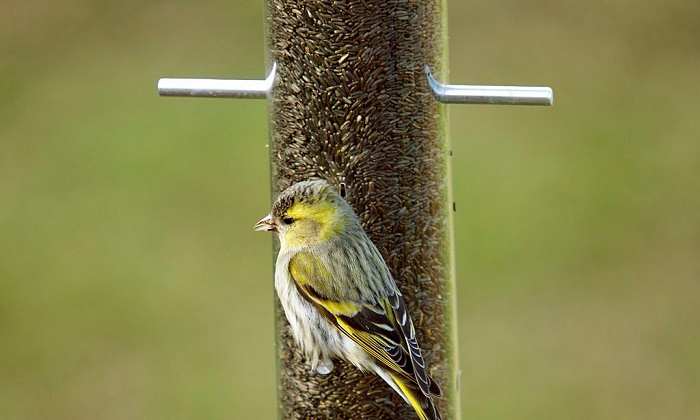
<point x="339" y="297"/>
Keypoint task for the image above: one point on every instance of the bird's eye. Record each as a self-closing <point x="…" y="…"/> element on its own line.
<point x="287" y="220"/>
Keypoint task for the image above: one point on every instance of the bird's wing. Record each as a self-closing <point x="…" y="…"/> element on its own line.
<point x="383" y="329"/>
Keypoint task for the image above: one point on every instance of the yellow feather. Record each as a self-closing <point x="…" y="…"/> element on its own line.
<point x="370" y="343"/>
<point x="314" y="223"/>
<point x="311" y="275"/>
<point x="411" y="396"/>
<point x="340" y="308"/>
<point x="307" y="268"/>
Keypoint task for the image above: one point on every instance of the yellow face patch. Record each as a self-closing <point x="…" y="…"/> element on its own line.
<point x="322" y="211"/>
<point x="313" y="223"/>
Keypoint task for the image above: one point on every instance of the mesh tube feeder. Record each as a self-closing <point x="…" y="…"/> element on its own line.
<point x="353" y="98"/>
<point x="352" y="104"/>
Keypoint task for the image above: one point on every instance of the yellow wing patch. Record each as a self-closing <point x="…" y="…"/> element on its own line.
<point x="375" y="344"/>
<point x="339" y="308"/>
<point x="372" y="344"/>
<point x="374" y="327"/>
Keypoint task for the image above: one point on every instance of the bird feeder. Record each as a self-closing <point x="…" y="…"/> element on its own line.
<point x="355" y="97"/>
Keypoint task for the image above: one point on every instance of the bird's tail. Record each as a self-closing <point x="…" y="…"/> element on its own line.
<point x="424" y="405"/>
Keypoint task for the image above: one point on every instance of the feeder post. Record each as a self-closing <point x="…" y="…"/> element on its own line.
<point x="352" y="104"/>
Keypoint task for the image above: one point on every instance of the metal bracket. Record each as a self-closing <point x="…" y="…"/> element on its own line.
<point x="489" y="95"/>
<point x="218" y="88"/>
<point x="447" y="94"/>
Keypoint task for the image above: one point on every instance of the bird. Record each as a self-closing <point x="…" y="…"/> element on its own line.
<point x="339" y="296"/>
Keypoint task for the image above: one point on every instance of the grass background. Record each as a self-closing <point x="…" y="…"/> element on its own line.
<point x="132" y="285"/>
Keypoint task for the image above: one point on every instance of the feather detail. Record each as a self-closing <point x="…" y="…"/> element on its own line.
<point x="421" y="403"/>
<point x="339" y="296"/>
<point x="384" y="330"/>
<point x="427" y="385"/>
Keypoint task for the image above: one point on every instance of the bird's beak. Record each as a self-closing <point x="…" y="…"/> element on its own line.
<point x="266" y="224"/>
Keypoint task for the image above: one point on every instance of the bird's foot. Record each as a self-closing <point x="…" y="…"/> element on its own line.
<point x="325" y="367"/>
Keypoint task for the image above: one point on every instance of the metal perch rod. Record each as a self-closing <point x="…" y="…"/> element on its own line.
<point x="489" y="95"/>
<point x="447" y="94"/>
<point x="218" y="88"/>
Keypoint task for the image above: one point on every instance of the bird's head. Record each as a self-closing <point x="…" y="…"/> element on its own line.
<point x="307" y="213"/>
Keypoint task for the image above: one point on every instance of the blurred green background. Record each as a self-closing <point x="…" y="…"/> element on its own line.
<point x="132" y="284"/>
